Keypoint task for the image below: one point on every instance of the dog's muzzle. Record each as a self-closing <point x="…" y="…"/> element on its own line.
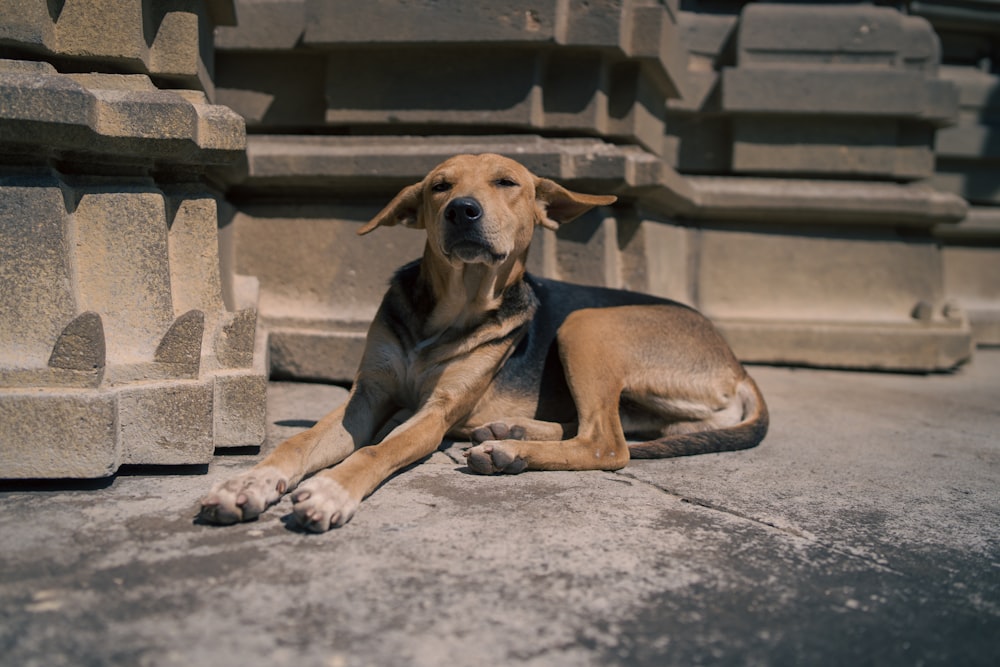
<point x="464" y="236"/>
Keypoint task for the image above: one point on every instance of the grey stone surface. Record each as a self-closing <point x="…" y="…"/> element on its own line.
<point x="837" y="89"/>
<point x="861" y="531"/>
<point x="971" y="263"/>
<point x="968" y="159"/>
<point x="619" y="64"/>
<point x="67" y="433"/>
<point x="131" y="274"/>
<point x="848" y="34"/>
<point x="116" y="344"/>
<point x="165" y="40"/>
<point x="892" y="346"/>
<point x="968" y="153"/>
<point x="808" y="202"/>
<point x="852" y="147"/>
<point x="831" y="312"/>
<point x="844" y="89"/>
<point x="363" y="167"/>
<point x="118" y="115"/>
<point x="339" y="22"/>
<point x="264" y="25"/>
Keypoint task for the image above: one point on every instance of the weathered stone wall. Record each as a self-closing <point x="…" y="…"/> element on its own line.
<point x="819" y="179"/>
<point x="968" y="158"/>
<point x="120" y="341"/>
<point x="816" y="219"/>
<point x="775" y="163"/>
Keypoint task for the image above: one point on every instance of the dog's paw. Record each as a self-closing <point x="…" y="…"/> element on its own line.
<point x="497" y="431"/>
<point x="244" y="497"/>
<point x="322" y="504"/>
<point x="494" y="456"/>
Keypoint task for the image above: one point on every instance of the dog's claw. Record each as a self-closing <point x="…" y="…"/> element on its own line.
<point x="322" y="504"/>
<point x="242" y="498"/>
<point x="493" y="457"/>
<point x="210" y="512"/>
<point x="496" y="431"/>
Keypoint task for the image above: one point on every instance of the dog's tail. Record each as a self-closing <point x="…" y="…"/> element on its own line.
<point x="744" y="435"/>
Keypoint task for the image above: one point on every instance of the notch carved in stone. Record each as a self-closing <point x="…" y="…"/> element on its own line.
<point x="80" y="346"/>
<point x="181" y="345"/>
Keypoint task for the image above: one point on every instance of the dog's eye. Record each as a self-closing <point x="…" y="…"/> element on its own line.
<point x="506" y="183"/>
<point x="441" y="186"/>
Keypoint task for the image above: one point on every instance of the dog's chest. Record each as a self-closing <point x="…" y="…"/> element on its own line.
<point x="457" y="363"/>
<point x="421" y="368"/>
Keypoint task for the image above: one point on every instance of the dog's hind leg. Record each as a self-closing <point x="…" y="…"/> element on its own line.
<point x="670" y="363"/>
<point x="594" y="372"/>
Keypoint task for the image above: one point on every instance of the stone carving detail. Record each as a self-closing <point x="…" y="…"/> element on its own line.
<point x="117" y="343"/>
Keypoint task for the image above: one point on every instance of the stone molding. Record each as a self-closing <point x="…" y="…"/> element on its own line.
<point x="112" y="117"/>
<point x="164" y="40"/>
<point x="122" y="342"/>
<point x="587" y="68"/>
<point x="114" y="298"/>
<point x="968" y="157"/>
<point x="832" y="91"/>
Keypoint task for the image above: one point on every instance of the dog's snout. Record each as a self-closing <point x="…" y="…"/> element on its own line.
<point x="463" y="210"/>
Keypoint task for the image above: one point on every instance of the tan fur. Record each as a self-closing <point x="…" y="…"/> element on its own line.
<point x="666" y="362"/>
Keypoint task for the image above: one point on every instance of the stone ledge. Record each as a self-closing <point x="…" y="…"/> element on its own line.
<point x="971" y="262"/>
<point x="333" y="356"/>
<point x="968" y="156"/>
<point x="264" y="25"/>
<point x="858" y="34"/>
<point x="642" y="30"/>
<point x="876" y="346"/>
<point x="113" y="117"/>
<point x="357" y="166"/>
<point x="329" y="355"/>
<point x="839" y="91"/>
<point x="79" y="433"/>
<point x="147" y="37"/>
<point x="811" y="202"/>
<point x="588" y="68"/>
<point x="982" y="224"/>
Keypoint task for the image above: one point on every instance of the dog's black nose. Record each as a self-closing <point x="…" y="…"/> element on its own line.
<point x="463" y="210"/>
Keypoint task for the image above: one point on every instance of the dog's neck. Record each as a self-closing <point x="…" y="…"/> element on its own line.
<point x="465" y="294"/>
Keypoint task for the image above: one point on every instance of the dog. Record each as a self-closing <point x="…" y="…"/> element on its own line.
<point x="537" y="374"/>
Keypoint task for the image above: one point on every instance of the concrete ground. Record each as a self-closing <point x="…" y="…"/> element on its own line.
<point x="865" y="530"/>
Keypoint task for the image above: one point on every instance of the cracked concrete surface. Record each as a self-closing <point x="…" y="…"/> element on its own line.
<point x="864" y="530"/>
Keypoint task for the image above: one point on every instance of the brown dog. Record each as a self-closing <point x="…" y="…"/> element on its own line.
<point x="541" y="375"/>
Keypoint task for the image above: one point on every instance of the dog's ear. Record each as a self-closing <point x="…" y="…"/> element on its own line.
<point x="404" y="209"/>
<point x="560" y="205"/>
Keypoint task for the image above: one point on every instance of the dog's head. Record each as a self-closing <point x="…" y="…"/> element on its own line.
<point x="482" y="209"/>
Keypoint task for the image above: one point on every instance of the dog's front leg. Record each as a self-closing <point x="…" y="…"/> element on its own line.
<point x="330" y="498"/>
<point x="244" y="496"/>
